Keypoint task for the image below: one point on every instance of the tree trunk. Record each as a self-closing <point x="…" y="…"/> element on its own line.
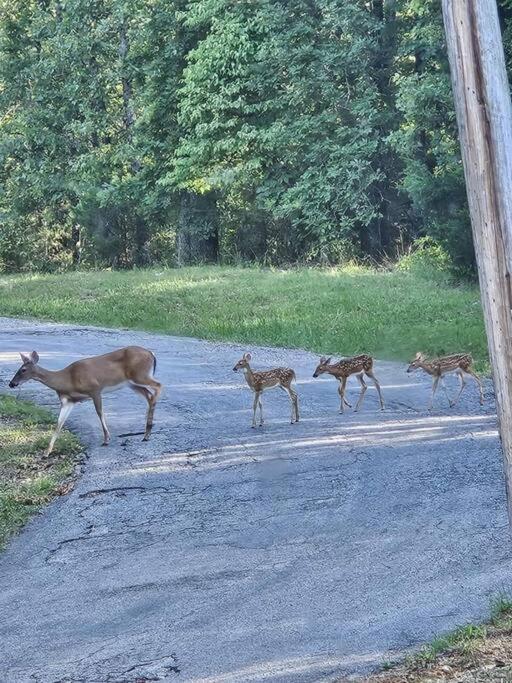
<point x="484" y="116"/>
<point x="198" y="233"/>
<point x="141" y="236"/>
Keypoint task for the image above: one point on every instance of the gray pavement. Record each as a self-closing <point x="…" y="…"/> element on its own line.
<point x="220" y="554"/>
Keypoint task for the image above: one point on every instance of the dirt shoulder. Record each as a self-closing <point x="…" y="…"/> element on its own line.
<point x="470" y="654"/>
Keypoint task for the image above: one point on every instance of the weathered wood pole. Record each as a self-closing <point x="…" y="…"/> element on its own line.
<point x="484" y="117"/>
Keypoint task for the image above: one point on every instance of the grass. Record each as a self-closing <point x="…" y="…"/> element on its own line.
<point x="26" y="480"/>
<point x="390" y="314"/>
<point x="469" y="654"/>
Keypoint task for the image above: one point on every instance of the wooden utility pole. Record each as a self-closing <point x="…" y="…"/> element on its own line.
<point x="484" y="117"/>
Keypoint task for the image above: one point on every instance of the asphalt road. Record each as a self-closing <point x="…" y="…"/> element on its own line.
<point x="220" y="554"/>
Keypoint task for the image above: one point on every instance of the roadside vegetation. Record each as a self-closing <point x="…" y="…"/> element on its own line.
<point x="470" y="654"/>
<point x="346" y="310"/>
<point x="26" y="480"/>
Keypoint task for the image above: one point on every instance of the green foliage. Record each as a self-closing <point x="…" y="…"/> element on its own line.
<point x="461" y="640"/>
<point x="427" y="259"/>
<point x="390" y="314"/>
<point x="427" y="139"/>
<point x="182" y="131"/>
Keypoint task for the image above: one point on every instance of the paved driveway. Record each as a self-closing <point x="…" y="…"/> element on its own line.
<point x="222" y="554"/>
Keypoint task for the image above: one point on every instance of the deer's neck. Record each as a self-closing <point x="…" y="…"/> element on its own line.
<point x="249" y="376"/>
<point x="50" y="378"/>
<point x="428" y="367"/>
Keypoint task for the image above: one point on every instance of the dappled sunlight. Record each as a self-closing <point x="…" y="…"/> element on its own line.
<point x="14" y="356"/>
<point x="329" y="441"/>
<point x="211" y="386"/>
<point x="174" y="284"/>
<point x="295" y="666"/>
<point x="407" y="422"/>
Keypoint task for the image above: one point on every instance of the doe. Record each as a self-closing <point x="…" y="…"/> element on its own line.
<point x="356" y="365"/>
<point x="460" y="363"/>
<point x="88" y="378"/>
<point x="267" y="379"/>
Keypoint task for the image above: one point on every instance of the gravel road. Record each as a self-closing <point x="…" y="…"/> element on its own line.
<point x="216" y="553"/>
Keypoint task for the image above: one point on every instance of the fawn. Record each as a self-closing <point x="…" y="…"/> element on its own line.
<point x="358" y="366"/>
<point x="88" y="378"/>
<point x="460" y="363"/>
<point x="267" y="379"/>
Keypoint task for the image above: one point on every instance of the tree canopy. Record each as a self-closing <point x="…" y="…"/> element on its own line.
<point x="182" y="131"/>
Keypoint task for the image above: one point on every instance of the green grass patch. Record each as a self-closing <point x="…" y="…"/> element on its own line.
<point x="390" y="314"/>
<point x="471" y="653"/>
<point x="26" y="480"/>
<point x="462" y="640"/>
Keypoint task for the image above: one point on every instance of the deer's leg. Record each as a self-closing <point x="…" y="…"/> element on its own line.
<point x="361" y="381"/>
<point x="294" y="401"/>
<point x="342" y="397"/>
<point x="462" y="385"/>
<point x="261" y="411"/>
<point x="155" y="385"/>
<point x="151" y="407"/>
<point x="434" y="389"/>
<point x="341" y="392"/>
<point x="98" y="404"/>
<point x="450" y="402"/>
<point x="144" y="383"/>
<point x="477" y="380"/>
<point x="65" y="408"/>
<point x="370" y="374"/>
<point x="257" y="395"/>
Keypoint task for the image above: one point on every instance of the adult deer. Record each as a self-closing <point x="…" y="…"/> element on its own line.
<point x="460" y="363"/>
<point x="88" y="378"/>
<point x="356" y="365"/>
<point x="267" y="379"/>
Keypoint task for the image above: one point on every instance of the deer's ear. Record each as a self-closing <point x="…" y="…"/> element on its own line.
<point x="25" y="358"/>
<point x="327" y="360"/>
<point x="34" y="357"/>
<point x="322" y="360"/>
<point x="247" y="356"/>
<point x="418" y="356"/>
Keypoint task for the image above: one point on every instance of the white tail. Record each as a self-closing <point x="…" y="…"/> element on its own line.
<point x="88" y="378"/>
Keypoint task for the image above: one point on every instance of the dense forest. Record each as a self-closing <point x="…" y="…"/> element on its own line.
<point x="135" y="132"/>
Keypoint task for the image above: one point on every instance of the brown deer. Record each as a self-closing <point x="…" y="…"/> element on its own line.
<point x="358" y="366"/>
<point x="267" y="379"/>
<point x="88" y="378"/>
<point x="460" y="363"/>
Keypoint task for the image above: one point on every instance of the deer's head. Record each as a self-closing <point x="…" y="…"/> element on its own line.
<point x="322" y="366"/>
<point x="416" y="362"/>
<point x="27" y="370"/>
<point x="243" y="363"/>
